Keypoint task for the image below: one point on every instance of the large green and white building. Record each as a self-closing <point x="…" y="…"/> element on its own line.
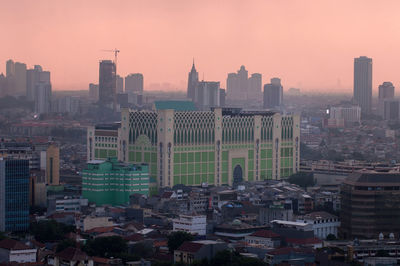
<point x="111" y="182"/>
<point x="222" y="146"/>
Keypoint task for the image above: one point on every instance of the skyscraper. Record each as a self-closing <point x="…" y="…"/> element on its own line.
<point x="94" y="92"/>
<point x="134" y="83"/>
<point x="193" y="79"/>
<point x="42" y="97"/>
<point x="273" y="94"/>
<point x="20" y="79"/>
<point x="107" y="84"/>
<point x="14" y="195"/>
<point x="240" y="87"/>
<point x="120" y="84"/>
<point x="53" y="165"/>
<point x="363" y="83"/>
<point x="254" y="89"/>
<point x="10" y="68"/>
<point x="32" y="77"/>
<point x="386" y="92"/>
<point x="207" y="95"/>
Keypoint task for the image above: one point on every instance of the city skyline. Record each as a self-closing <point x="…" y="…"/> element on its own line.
<point x="309" y="45"/>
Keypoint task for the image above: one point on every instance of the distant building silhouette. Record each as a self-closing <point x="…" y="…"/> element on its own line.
<point x="193" y="79"/>
<point x="107" y="84"/>
<point x="94" y="92"/>
<point x="134" y="83"/>
<point x="363" y="83"/>
<point x="207" y="95"/>
<point x="273" y="94"/>
<point x="120" y="84"/>
<point x="241" y="87"/>
<point x="20" y="79"/>
<point x="32" y="78"/>
<point x="386" y="92"/>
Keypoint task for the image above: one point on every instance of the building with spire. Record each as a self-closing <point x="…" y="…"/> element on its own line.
<point x="193" y="79"/>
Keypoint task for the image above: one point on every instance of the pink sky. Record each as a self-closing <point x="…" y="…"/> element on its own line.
<point x="308" y="44"/>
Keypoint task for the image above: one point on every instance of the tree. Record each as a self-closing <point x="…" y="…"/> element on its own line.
<point x="50" y="230"/>
<point x="176" y="239"/>
<point x="302" y="179"/>
<point x="331" y="237"/>
<point x="106" y="246"/>
<point x="65" y="244"/>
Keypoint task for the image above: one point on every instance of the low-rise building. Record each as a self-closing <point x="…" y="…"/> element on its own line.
<point x="323" y="223"/>
<point x="112" y="182"/>
<point x="15" y="251"/>
<point x="191" y="251"/>
<point x="264" y="239"/>
<point x="194" y="224"/>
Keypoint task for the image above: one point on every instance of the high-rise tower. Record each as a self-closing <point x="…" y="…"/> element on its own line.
<point x="363" y="83"/>
<point x="107" y="83"/>
<point x="193" y="79"/>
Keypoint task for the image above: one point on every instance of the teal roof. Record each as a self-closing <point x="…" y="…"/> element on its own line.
<point x="175" y="105"/>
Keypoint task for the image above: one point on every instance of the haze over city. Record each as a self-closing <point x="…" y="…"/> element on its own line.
<point x="308" y="44"/>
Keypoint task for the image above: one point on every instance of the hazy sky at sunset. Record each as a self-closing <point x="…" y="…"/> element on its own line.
<point x="308" y="44"/>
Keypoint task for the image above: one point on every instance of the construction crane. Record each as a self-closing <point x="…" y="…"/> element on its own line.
<point x="115" y="51"/>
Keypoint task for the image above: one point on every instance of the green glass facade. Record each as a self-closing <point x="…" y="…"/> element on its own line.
<point x="195" y="147"/>
<point x="112" y="182"/>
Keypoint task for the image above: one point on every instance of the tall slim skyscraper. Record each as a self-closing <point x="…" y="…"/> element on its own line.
<point x="273" y="94"/>
<point x="134" y="83"/>
<point x="14" y="195"/>
<point x="363" y="83"/>
<point x="53" y="165"/>
<point x="193" y="79"/>
<point x="107" y="84"/>
<point x="20" y="79"/>
<point x="42" y="97"/>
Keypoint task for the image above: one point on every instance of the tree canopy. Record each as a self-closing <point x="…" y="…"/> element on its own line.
<point x="176" y="239"/>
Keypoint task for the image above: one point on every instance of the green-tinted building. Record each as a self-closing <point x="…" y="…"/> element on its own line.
<point x="218" y="147"/>
<point x="111" y="182"/>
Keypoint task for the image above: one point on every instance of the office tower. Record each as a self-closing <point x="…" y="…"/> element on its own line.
<point x="10" y="68"/>
<point x="222" y="96"/>
<point x="120" y="84"/>
<point x="3" y="85"/>
<point x="391" y="109"/>
<point x="240" y="87"/>
<point x="115" y="181"/>
<point x="206" y="95"/>
<point x="273" y="94"/>
<point x="193" y="79"/>
<point x="386" y="92"/>
<point x="42" y="97"/>
<point x="363" y="83"/>
<point x="134" y="83"/>
<point x="20" y="79"/>
<point x="218" y="147"/>
<point x="255" y="85"/>
<point x="107" y="84"/>
<point x="14" y="195"/>
<point x="370" y="205"/>
<point x="94" y="92"/>
<point x="53" y="165"/>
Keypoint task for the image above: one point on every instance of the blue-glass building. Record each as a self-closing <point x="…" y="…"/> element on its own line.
<point x="14" y="195"/>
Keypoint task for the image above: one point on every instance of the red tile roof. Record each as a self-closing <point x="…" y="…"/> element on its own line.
<point x="304" y="241"/>
<point x="72" y="254"/>
<point x="100" y="230"/>
<point x="12" y="244"/>
<point x="190" y="247"/>
<point x="265" y="234"/>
